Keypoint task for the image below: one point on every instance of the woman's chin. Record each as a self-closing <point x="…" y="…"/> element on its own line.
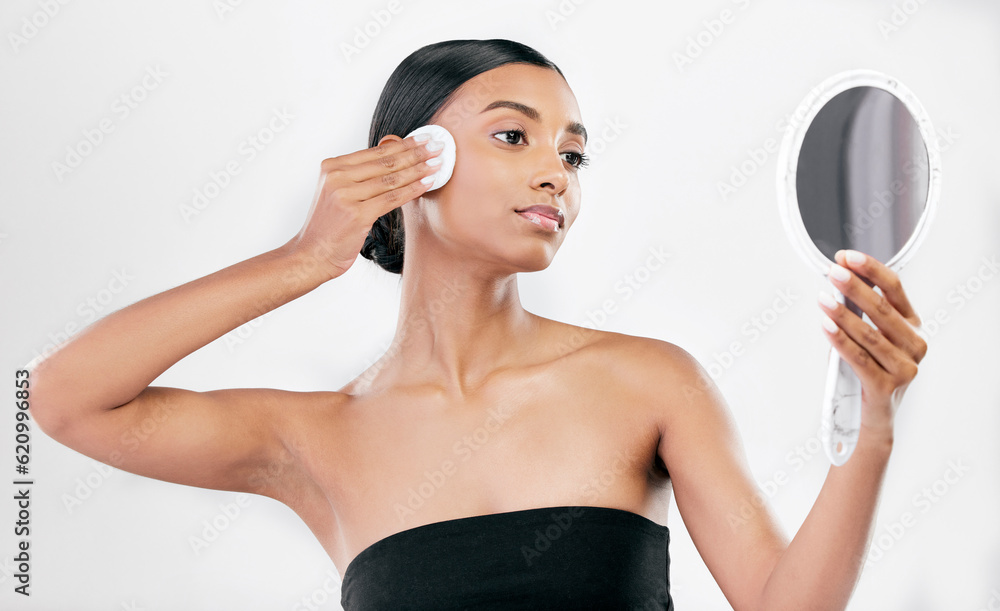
<point x="535" y="262"/>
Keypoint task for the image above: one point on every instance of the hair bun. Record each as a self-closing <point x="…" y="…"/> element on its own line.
<point x="384" y="242"/>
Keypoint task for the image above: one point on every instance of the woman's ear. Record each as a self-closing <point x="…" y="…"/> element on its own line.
<point x="389" y="137"/>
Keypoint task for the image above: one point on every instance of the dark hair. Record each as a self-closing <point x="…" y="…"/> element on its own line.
<point x="416" y="90"/>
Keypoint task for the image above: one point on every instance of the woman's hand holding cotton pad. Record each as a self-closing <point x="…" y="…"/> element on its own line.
<point x="447" y="156"/>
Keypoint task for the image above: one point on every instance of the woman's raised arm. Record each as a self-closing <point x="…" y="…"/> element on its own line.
<point x="93" y="393"/>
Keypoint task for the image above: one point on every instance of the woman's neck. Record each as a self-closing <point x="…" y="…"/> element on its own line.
<point x="455" y="328"/>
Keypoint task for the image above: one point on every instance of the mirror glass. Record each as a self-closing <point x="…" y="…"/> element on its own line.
<point x="863" y="174"/>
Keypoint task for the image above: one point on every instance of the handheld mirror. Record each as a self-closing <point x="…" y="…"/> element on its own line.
<point x="858" y="169"/>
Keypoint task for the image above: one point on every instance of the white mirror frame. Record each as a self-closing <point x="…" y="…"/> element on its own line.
<point x="791" y="145"/>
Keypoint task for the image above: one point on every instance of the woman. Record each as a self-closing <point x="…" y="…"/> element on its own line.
<point x="491" y="458"/>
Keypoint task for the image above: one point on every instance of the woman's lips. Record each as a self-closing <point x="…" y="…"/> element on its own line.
<point x="540" y="220"/>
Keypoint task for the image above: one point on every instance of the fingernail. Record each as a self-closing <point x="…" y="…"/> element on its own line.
<point x="422" y="137"/>
<point x="828" y="324"/>
<point x="827" y="300"/>
<point x="855" y="257"/>
<point x="839" y="273"/>
<point x="433" y="161"/>
<point x="434" y="145"/>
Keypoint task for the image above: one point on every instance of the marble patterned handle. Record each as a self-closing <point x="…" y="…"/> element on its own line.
<point x="841" y="421"/>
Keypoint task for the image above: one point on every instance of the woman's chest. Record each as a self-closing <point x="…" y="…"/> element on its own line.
<point x="398" y="460"/>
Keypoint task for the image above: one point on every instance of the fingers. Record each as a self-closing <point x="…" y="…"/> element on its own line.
<point x="384" y="176"/>
<point x="382" y="196"/>
<point x="391" y="156"/>
<point x="891" y="311"/>
<point x="877" y="361"/>
<point x="884" y="278"/>
<point x="884" y="358"/>
<point x="387" y="153"/>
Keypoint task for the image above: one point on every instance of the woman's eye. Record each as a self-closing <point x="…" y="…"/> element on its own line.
<point x="519" y="133"/>
<point x="578" y="160"/>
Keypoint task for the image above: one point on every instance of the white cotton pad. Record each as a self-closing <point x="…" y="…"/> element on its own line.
<point x="447" y="155"/>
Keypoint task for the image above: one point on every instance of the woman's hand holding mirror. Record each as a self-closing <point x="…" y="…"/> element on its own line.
<point x="885" y="356"/>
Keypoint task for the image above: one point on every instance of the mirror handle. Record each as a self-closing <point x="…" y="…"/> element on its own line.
<point x="841" y="421"/>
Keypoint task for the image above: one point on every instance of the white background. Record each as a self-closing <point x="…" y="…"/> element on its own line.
<point x="126" y="543"/>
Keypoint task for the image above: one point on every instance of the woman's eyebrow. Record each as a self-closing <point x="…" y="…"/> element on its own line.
<point x="572" y="127"/>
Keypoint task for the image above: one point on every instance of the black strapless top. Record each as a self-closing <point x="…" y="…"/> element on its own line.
<point x="567" y="557"/>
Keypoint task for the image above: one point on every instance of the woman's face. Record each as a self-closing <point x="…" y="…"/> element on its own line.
<point x="499" y="171"/>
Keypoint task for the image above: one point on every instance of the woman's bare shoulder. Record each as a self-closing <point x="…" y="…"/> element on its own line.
<point x="649" y="364"/>
<point x="634" y="351"/>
